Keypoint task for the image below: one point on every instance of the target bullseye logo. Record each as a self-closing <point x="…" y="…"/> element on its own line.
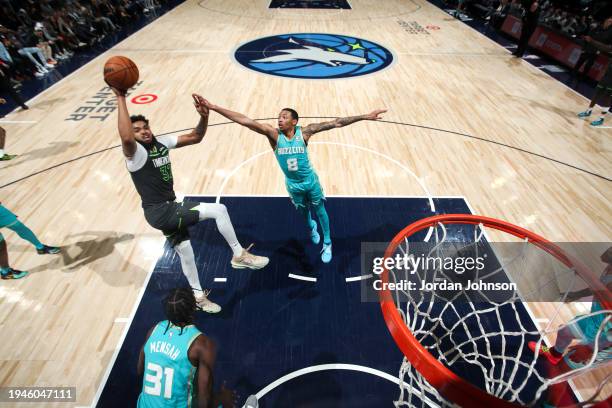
<point x="144" y="99"/>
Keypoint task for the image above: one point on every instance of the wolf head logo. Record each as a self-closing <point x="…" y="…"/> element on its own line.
<point x="315" y="56"/>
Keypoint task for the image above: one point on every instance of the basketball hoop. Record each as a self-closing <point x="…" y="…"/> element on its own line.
<point x="416" y="323"/>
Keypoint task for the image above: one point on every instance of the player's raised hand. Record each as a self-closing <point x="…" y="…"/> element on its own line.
<point x="117" y="92"/>
<point x="375" y="115"/>
<point x="198" y="102"/>
<point x="207" y="103"/>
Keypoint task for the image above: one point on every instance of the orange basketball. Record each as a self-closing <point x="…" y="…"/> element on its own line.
<point x="120" y="72"/>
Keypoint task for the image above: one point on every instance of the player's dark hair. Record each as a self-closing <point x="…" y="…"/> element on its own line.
<point x="139" y="118"/>
<point x="294" y="114"/>
<point x="180" y="305"/>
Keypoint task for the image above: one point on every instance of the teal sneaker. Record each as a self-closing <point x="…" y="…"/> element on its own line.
<point x="46" y="249"/>
<point x="13" y="274"/>
<point x="314" y="234"/>
<point x="585" y="114"/>
<point x="326" y="253"/>
<point x="597" y="122"/>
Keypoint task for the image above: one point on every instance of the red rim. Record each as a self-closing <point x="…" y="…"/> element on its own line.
<point x="448" y="384"/>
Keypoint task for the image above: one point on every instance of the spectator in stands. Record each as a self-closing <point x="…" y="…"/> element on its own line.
<point x="34" y="33"/>
<point x="15" y="65"/>
<point x="44" y="45"/>
<point x="499" y="14"/>
<point x="62" y="47"/>
<point x="6" y="86"/>
<point x="530" y="22"/>
<point x="11" y="42"/>
<point x="64" y="26"/>
<point x="589" y="54"/>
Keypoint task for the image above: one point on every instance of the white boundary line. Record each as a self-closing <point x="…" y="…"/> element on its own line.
<point x="18" y="121"/>
<point x="129" y="321"/>
<point x="358" y="278"/>
<point x="348" y="367"/>
<point x="303" y="278"/>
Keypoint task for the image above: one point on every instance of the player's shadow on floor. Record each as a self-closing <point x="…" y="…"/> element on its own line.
<point x="53" y="149"/>
<point x="568" y="115"/>
<point x="102" y="246"/>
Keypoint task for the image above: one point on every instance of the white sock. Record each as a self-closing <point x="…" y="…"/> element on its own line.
<point x="185" y="253"/>
<point x="224" y="224"/>
<point x="1" y="152"/>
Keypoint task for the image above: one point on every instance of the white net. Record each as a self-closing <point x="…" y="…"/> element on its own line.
<point x="477" y="321"/>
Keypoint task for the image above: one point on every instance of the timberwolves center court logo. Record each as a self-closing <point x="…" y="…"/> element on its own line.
<point x="313" y="56"/>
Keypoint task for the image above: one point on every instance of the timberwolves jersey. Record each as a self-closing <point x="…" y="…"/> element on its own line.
<point x="168" y="374"/>
<point x="154" y="180"/>
<point x="293" y="157"/>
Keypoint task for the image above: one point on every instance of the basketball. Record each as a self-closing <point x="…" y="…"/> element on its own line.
<point x="120" y="72"/>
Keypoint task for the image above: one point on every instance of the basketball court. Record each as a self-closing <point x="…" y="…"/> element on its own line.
<point x="469" y="130"/>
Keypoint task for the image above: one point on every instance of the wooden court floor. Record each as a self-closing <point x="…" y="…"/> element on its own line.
<point x="62" y="324"/>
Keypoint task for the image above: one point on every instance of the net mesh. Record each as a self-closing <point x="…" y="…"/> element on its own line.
<point x="481" y="332"/>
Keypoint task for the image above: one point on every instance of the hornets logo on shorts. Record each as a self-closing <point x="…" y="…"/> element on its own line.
<point x="313" y="56"/>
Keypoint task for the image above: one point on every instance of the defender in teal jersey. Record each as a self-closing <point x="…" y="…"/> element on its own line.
<point x="177" y="360"/>
<point x="289" y="142"/>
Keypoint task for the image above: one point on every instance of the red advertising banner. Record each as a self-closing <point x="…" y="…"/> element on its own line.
<point x="555" y="45"/>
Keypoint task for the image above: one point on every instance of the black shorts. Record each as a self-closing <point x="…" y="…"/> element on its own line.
<point x="173" y="219"/>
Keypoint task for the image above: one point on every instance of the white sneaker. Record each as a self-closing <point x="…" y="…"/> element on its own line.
<point x="205" y="305"/>
<point x="248" y="260"/>
<point x="49" y="66"/>
<point x="39" y="74"/>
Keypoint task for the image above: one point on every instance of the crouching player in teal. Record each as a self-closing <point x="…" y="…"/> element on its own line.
<point x="289" y="142"/>
<point x="177" y="361"/>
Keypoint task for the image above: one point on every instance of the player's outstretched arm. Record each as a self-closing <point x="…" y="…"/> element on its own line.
<point x="244" y="120"/>
<point x="313" y="128"/>
<point x="197" y="134"/>
<point x="128" y="142"/>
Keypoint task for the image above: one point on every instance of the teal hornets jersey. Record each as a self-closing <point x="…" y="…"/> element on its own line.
<point x="168" y="374"/>
<point x="292" y="156"/>
<point x="590" y="326"/>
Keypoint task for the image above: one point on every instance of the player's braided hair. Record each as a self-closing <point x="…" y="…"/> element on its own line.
<point x="180" y="306"/>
